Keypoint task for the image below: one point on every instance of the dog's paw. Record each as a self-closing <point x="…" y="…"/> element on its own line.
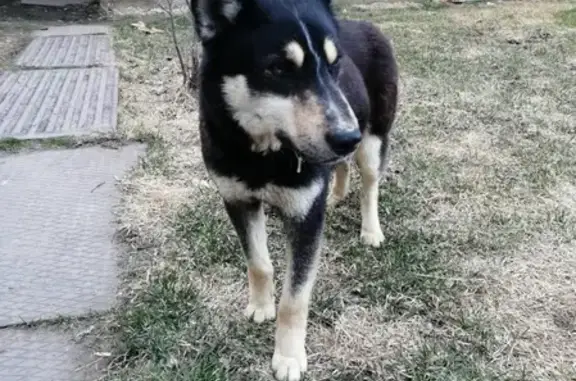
<point x="260" y="312"/>
<point x="372" y="238"/>
<point x="266" y="142"/>
<point x="289" y="368"/>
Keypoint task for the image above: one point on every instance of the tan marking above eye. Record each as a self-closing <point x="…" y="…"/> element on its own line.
<point x="330" y="50"/>
<point x="295" y="53"/>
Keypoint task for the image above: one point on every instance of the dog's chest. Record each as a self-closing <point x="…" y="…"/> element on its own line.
<point x="294" y="202"/>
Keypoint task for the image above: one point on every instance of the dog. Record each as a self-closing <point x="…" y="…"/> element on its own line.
<point x="288" y="96"/>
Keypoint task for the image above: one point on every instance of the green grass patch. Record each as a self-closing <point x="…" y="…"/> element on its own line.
<point x="567" y="18"/>
<point x="409" y="273"/>
<point x="16" y="145"/>
<point x="167" y="334"/>
<point x="206" y="231"/>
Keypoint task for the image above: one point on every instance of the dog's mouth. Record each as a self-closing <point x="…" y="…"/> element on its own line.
<point x="301" y="155"/>
<point x="313" y="160"/>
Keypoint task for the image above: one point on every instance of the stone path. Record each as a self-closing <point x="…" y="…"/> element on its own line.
<point x="57" y="253"/>
<point x="43" y="355"/>
<point x="80" y="97"/>
<point x="52" y="103"/>
<point x="57" y="51"/>
<point x="58" y="257"/>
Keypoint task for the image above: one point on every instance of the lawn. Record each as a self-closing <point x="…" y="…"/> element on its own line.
<point x="476" y="279"/>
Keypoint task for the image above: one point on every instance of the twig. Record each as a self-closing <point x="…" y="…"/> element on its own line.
<point x="97" y="186"/>
<point x="194" y="80"/>
<point x="170" y="13"/>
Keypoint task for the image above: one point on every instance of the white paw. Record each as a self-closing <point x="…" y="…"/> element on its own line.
<point x="260" y="312"/>
<point x="289" y="368"/>
<point x="266" y="142"/>
<point x="372" y="238"/>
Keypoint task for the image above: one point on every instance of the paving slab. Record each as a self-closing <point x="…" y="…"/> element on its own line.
<point x="56" y="3"/>
<point x="57" y="254"/>
<point x="72" y="30"/>
<point x="43" y="355"/>
<point x="67" y="51"/>
<point x="50" y="103"/>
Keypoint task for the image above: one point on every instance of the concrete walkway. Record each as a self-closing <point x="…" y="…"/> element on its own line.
<point x="68" y="85"/>
<point x="57" y="254"/>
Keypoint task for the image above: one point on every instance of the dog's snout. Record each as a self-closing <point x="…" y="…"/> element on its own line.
<point x="343" y="142"/>
<point x="332" y="117"/>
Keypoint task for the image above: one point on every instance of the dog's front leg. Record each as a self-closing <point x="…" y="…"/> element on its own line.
<point x="249" y="221"/>
<point x="305" y="239"/>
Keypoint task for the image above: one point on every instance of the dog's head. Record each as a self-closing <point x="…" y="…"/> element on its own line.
<point x="277" y="64"/>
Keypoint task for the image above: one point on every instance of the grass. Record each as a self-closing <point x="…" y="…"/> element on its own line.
<point x="17" y="145"/>
<point x="567" y="17"/>
<point x="13" y="145"/>
<point x="474" y="279"/>
<point x="11" y="44"/>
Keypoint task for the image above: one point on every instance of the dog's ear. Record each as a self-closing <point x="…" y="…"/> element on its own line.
<point x="211" y="17"/>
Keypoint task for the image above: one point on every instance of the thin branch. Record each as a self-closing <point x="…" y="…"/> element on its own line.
<point x="170" y="13"/>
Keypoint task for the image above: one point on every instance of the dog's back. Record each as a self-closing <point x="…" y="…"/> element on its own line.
<point x="370" y="83"/>
<point x="372" y="54"/>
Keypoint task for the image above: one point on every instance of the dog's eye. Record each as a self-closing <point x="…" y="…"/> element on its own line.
<point x="274" y="69"/>
<point x="277" y="68"/>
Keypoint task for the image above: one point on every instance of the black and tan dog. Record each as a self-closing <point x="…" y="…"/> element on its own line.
<point x="289" y="95"/>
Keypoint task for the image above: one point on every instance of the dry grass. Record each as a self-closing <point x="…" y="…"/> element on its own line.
<point x="154" y="106"/>
<point x="14" y="38"/>
<point x="476" y="278"/>
<point x="532" y="301"/>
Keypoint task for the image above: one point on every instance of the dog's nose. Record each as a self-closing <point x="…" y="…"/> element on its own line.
<point x="343" y="142"/>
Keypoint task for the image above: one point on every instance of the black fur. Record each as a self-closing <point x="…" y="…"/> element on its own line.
<point x="246" y="41"/>
<point x="304" y="236"/>
<point x="368" y="79"/>
<point x="241" y="214"/>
